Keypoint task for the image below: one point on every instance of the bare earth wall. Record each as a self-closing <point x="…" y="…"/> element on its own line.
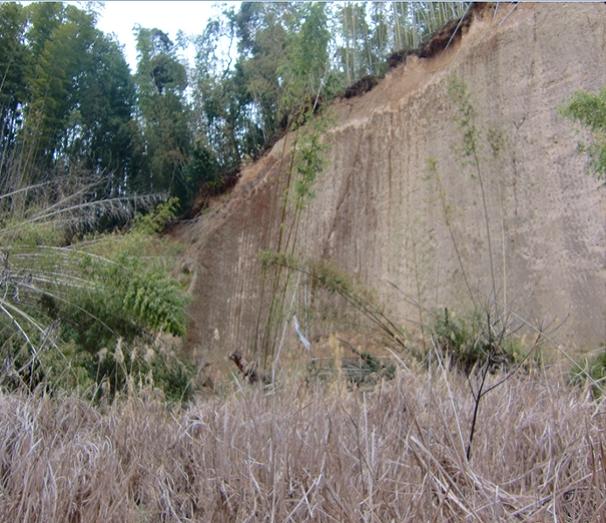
<point x="383" y="216"/>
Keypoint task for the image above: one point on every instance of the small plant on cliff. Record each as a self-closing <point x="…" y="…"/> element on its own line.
<point x="470" y="151"/>
<point x="590" y="111"/>
<point x="362" y="371"/>
<point x="310" y="160"/>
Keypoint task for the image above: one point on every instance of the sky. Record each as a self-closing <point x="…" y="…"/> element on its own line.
<point x="120" y="17"/>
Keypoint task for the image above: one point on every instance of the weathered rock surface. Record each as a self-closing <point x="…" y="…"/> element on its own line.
<point x="382" y="215"/>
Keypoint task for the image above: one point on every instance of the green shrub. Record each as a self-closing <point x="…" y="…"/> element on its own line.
<point x="127" y="297"/>
<point x="157" y="220"/>
<point x="590" y="111"/>
<point x="469" y="342"/>
<point x="368" y="370"/>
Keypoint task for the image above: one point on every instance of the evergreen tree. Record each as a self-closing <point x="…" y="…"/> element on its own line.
<point x="67" y="96"/>
<point x="14" y="56"/>
<point x="61" y="37"/>
<point x="161" y="82"/>
<point x="306" y="70"/>
<point x="108" y="135"/>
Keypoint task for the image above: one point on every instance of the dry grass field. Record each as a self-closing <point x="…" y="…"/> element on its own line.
<point x="307" y="453"/>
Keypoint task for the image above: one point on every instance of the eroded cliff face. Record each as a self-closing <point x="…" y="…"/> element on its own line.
<point x="382" y="213"/>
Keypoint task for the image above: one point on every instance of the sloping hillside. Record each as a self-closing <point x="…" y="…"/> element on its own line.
<point x="397" y="206"/>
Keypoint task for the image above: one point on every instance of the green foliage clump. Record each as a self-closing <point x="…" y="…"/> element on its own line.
<point x="269" y="258"/>
<point x="128" y="297"/>
<point x="104" y="374"/>
<point x="62" y="306"/>
<point x="156" y="221"/>
<point x="459" y="94"/>
<point x="368" y="370"/>
<point x="333" y="280"/>
<point x="590" y="111"/>
<point x="55" y="367"/>
<point x="468" y="343"/>
<point x="310" y="160"/>
<point x="143" y="365"/>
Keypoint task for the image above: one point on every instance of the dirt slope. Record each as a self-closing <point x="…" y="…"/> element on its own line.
<point x="380" y="214"/>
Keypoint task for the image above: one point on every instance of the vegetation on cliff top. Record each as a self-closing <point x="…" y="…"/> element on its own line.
<point x="67" y="97"/>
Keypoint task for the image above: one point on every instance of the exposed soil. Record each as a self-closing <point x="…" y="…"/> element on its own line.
<point x="379" y="216"/>
<point x="449" y="33"/>
<point x="399" y="57"/>
<point x="363" y="85"/>
<point x="208" y="191"/>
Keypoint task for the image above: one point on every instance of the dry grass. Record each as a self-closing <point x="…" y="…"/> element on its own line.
<point x="396" y="454"/>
